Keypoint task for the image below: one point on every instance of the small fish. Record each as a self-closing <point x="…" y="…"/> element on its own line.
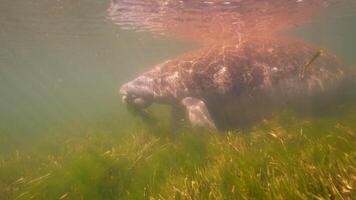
<point x="63" y="196"/>
<point x="307" y="65"/>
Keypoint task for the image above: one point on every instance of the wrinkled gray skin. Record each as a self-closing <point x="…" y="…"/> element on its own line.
<point x="227" y="86"/>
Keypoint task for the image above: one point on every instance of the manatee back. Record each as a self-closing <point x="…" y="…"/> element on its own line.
<point x="266" y="75"/>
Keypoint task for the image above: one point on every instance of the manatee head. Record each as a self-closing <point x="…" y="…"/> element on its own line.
<point x="138" y="92"/>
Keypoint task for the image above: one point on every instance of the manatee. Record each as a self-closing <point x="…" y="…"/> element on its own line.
<point x="246" y="68"/>
<point x="233" y="83"/>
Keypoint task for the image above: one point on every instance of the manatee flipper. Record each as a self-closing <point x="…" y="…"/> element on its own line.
<point x="197" y="113"/>
<point x="144" y="115"/>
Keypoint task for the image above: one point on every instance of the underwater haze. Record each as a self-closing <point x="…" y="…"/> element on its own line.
<point x="65" y="133"/>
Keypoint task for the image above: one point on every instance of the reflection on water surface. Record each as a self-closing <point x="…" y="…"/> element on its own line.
<point x="209" y="20"/>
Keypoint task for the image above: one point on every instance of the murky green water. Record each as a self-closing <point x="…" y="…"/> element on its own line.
<point x="62" y="62"/>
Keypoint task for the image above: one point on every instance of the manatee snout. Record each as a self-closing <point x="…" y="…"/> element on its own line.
<point x="136" y="95"/>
